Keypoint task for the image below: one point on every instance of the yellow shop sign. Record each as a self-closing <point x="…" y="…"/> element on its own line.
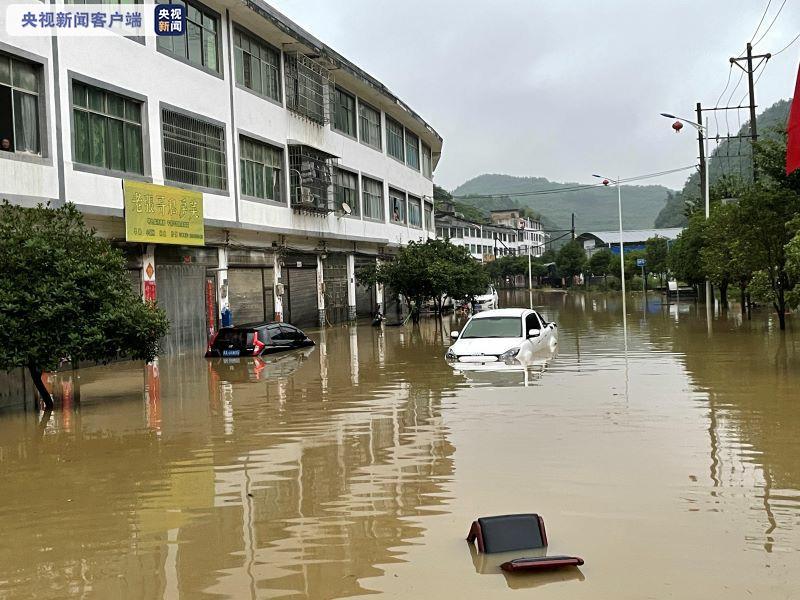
<point x="159" y="214"/>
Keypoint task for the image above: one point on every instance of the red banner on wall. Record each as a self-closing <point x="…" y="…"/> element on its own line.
<point x="150" y="291"/>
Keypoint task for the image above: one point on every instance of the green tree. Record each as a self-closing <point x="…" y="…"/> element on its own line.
<point x="631" y="256"/>
<point x="428" y="270"/>
<point x="600" y="262"/>
<point x="656" y="250"/>
<point x="726" y="257"/>
<point x="684" y="254"/>
<point x="571" y="260"/>
<point x="766" y="209"/>
<point x="793" y="262"/>
<point x="64" y="294"/>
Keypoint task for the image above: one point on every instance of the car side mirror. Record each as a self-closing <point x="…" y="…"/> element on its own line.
<point x="534" y="332"/>
<point x="454" y="335"/>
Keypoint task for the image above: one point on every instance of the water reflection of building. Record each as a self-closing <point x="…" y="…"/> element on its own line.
<point x="251" y="485"/>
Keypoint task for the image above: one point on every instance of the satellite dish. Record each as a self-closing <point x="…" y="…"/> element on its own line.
<point x="346" y="208"/>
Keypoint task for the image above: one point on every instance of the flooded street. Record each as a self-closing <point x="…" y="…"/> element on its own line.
<point x="357" y="466"/>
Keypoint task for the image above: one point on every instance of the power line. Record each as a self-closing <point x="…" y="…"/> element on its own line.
<point x="775" y="18"/>
<point x="727" y="83"/>
<point x="761" y="21"/>
<point x="786" y="47"/>
<point x="576" y="188"/>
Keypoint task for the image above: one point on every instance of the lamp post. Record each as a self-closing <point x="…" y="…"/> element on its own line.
<point x="606" y="181"/>
<point x="702" y="131"/>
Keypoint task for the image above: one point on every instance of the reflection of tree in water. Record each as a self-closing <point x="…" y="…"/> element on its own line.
<point x="750" y="375"/>
<point x="305" y="483"/>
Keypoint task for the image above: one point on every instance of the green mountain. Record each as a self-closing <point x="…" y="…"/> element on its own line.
<point x="729" y="158"/>
<point x="595" y="208"/>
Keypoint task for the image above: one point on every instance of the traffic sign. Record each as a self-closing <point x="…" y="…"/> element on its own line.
<point x="640" y="262"/>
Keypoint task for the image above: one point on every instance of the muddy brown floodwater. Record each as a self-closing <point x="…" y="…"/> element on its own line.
<point x="356" y="467"/>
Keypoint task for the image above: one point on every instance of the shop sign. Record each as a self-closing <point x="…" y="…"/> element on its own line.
<point x="159" y="214"/>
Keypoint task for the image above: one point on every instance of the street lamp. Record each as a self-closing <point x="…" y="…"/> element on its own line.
<point x="702" y="131"/>
<point x="606" y="181"/>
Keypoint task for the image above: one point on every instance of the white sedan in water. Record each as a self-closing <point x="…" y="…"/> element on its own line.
<point x="503" y="339"/>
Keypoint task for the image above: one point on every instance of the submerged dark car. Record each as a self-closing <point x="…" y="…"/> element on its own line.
<point x="255" y="339"/>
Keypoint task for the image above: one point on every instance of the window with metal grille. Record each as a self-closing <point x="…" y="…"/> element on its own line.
<point x="369" y="125"/>
<point x="345" y="190"/>
<point x="306" y="83"/>
<point x="194" y="151"/>
<point x="107" y="129"/>
<point x="427" y="161"/>
<point x="19" y="105"/>
<point x="372" y="196"/>
<point x="257" y="65"/>
<point x="412" y="150"/>
<point x="344" y="112"/>
<point x="261" y="169"/>
<point x="200" y="45"/>
<point x="394" y="139"/>
<point x="414" y="211"/>
<point x="429" y="216"/>
<point x="311" y="176"/>
<point x="397" y="204"/>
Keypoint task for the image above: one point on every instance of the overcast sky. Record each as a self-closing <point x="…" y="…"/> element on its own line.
<point x="558" y="89"/>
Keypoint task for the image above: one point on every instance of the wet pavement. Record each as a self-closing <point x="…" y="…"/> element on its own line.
<point x="357" y="466"/>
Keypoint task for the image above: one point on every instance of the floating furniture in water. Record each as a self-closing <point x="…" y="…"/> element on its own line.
<point x="506" y="533"/>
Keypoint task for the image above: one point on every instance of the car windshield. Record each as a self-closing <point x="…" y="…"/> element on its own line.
<point x="493" y="327"/>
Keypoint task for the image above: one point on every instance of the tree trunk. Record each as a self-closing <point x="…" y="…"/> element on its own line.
<point x="723" y="295"/>
<point x="781" y="308"/>
<point x="36" y="376"/>
<point x="749" y="307"/>
<point x="743" y="300"/>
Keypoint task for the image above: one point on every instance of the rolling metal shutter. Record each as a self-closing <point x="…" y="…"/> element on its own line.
<point x="302" y="294"/>
<point x="180" y="291"/>
<point x="250" y="294"/>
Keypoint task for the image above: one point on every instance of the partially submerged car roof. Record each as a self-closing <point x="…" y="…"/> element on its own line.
<point x="254" y="324"/>
<point x="502" y="312"/>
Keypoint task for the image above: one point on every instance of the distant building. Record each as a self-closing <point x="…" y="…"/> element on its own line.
<point x="635" y="239"/>
<point x="530" y="232"/>
<point x="507" y="233"/>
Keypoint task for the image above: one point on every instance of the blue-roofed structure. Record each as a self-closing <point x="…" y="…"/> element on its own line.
<point x="633" y="239"/>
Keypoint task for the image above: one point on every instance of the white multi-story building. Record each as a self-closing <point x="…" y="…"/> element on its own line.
<point x="306" y="165"/>
<point x="530" y="235"/>
<point x="507" y="234"/>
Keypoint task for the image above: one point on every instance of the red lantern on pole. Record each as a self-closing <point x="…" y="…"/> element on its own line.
<point x="605" y="182"/>
<point x="677" y="126"/>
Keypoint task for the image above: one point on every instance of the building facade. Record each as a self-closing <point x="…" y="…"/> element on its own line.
<point x="307" y="166"/>
<point x="506" y="234"/>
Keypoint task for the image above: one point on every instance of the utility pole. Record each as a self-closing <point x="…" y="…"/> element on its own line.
<point x="573" y="226"/>
<point x="703" y="170"/>
<point x="749" y="69"/>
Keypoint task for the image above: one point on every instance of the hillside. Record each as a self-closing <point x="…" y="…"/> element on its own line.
<point x="594" y="208"/>
<point x="729" y="158"/>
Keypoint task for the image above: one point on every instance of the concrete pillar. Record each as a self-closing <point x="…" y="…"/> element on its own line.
<point x="320" y="291"/>
<point x="222" y="280"/>
<point x="277" y="287"/>
<point x="351" y="287"/>
<point x="379" y="291"/>
<point x="149" y="273"/>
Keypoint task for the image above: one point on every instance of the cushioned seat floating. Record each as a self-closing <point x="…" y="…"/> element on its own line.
<point x="507" y="533"/>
